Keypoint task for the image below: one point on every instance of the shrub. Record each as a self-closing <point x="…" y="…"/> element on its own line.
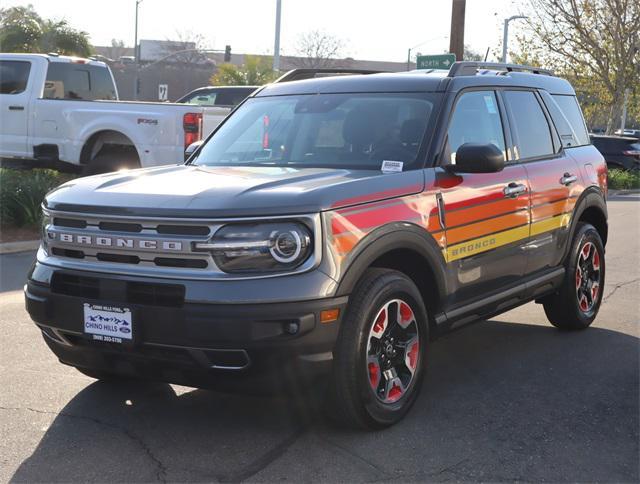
<point x="623" y="179"/>
<point x="22" y="192"/>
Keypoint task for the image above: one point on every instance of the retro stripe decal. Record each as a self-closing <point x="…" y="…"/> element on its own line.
<point x="489" y="242"/>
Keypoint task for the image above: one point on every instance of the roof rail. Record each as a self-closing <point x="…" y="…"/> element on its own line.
<point x="470" y="68"/>
<point x="300" y="74"/>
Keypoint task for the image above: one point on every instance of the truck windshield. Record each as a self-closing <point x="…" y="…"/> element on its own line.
<point x="323" y="130"/>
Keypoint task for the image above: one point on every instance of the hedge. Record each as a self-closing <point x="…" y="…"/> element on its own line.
<point x="22" y="192"/>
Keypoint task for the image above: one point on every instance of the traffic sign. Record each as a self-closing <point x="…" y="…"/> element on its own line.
<point x="442" y="61"/>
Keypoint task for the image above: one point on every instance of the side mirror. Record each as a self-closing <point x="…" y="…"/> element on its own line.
<point x="478" y="158"/>
<point x="192" y="148"/>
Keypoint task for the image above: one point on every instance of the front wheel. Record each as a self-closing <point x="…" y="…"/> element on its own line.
<point x="576" y="304"/>
<point x="380" y="355"/>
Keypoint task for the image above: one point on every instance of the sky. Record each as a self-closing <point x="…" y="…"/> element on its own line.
<point x="370" y="29"/>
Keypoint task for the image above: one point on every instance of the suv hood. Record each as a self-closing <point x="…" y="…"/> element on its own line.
<point x="200" y="191"/>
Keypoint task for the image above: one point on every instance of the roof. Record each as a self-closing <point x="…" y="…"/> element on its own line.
<point x="55" y="58"/>
<point x="418" y="81"/>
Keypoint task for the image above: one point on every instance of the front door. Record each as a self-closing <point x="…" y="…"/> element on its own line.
<point x="14" y="105"/>
<point x="486" y="214"/>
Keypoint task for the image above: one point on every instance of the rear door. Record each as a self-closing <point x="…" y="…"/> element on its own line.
<point x="554" y="176"/>
<point x="14" y="107"/>
<point x="486" y="214"/>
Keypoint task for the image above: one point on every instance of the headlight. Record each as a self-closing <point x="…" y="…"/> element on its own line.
<point x="260" y="247"/>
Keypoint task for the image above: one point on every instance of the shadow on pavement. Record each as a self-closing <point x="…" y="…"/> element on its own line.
<point x="502" y="401"/>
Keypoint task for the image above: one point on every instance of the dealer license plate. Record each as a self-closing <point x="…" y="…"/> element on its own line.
<point x="108" y="323"/>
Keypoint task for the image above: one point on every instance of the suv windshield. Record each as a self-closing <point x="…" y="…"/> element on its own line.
<point x="323" y="130"/>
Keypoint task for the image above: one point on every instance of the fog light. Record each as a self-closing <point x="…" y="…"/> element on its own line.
<point x="292" y="328"/>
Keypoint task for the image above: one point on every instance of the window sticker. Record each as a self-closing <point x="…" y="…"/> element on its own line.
<point x="490" y="103"/>
<point x="389" y="166"/>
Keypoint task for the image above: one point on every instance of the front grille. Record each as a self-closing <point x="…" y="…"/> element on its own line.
<point x="113" y="290"/>
<point x="139" y="244"/>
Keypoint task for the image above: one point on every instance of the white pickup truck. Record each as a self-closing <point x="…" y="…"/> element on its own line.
<point x="57" y="109"/>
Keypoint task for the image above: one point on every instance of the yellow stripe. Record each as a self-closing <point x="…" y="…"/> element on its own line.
<point x="489" y="242"/>
<point x="550" y="224"/>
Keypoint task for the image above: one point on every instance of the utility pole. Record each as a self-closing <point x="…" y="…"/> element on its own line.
<point x="505" y="36"/>
<point x="136" y="56"/>
<point x="276" y="46"/>
<point x="456" y="39"/>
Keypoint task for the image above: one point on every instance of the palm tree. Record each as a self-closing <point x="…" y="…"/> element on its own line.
<point x="23" y="30"/>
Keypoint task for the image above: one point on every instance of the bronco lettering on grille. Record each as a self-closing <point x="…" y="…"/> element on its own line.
<point x="119" y="242"/>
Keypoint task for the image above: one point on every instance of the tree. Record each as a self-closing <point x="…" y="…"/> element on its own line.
<point x="257" y="70"/>
<point x="471" y="55"/>
<point x="193" y="44"/>
<point x="23" y="30"/>
<point x="318" y="49"/>
<point x="117" y="49"/>
<point x="594" y="43"/>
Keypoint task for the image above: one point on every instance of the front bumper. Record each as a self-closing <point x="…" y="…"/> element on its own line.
<point x="217" y="345"/>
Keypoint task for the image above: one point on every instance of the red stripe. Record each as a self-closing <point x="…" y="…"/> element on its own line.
<point x="372" y="218"/>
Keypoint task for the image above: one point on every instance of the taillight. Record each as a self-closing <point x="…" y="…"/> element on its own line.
<point x="192" y="125"/>
<point x="635" y="153"/>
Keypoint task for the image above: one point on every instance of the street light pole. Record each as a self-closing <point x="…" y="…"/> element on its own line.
<point x="505" y="37"/>
<point x="276" y="47"/>
<point x="135" y="55"/>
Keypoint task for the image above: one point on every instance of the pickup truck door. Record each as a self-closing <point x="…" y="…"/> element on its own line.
<point x="15" y="87"/>
<point x="486" y="215"/>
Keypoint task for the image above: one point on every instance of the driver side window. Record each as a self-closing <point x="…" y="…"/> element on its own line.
<point x="476" y="119"/>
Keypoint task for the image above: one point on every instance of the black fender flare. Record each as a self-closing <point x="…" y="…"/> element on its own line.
<point x="393" y="236"/>
<point x="591" y="197"/>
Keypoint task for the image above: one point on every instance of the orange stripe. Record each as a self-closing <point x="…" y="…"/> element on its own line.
<point x="551" y="209"/>
<point x="493" y="209"/>
<point x="479" y="229"/>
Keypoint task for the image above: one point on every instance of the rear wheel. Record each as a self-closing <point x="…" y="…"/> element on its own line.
<point x="380" y="355"/>
<point x="113" y="159"/>
<point x="576" y="304"/>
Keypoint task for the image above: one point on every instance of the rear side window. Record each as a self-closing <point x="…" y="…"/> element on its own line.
<point x="530" y="126"/>
<point x="476" y="119"/>
<point x="14" y="76"/>
<point x="571" y="110"/>
<point x="203" y="99"/>
<point x="78" y="81"/>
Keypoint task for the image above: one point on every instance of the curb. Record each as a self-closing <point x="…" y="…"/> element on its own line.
<point x="20" y="246"/>
<point x="632" y="191"/>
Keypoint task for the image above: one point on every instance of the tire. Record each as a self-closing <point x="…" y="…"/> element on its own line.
<point x="361" y="346"/>
<point x="578" y="300"/>
<point x="112" y="160"/>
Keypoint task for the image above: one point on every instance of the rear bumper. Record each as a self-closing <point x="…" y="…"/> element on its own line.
<point x="188" y="343"/>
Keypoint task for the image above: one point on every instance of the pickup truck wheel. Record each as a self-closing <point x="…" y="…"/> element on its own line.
<point x="379" y="359"/>
<point x="576" y="304"/>
<point x="112" y="160"/>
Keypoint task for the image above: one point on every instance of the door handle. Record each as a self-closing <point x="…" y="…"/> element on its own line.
<point x="567" y="179"/>
<point x="513" y="190"/>
<point x="16" y="108"/>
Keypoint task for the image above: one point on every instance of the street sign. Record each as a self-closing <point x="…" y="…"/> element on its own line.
<point x="442" y="61"/>
<point x="163" y="92"/>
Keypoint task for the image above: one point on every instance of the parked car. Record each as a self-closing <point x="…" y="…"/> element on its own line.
<point x="620" y="152"/>
<point x="59" y="109"/>
<point x="327" y="232"/>
<point x="218" y="95"/>
<point x="632" y="133"/>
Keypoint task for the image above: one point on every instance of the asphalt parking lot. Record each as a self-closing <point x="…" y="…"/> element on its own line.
<point x="507" y="399"/>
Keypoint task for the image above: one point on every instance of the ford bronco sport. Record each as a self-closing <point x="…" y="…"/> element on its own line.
<point x="331" y="227"/>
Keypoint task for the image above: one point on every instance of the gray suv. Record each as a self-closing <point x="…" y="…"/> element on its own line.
<point x="327" y="232"/>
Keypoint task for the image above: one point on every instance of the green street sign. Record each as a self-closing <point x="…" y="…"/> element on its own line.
<point x="442" y="61"/>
